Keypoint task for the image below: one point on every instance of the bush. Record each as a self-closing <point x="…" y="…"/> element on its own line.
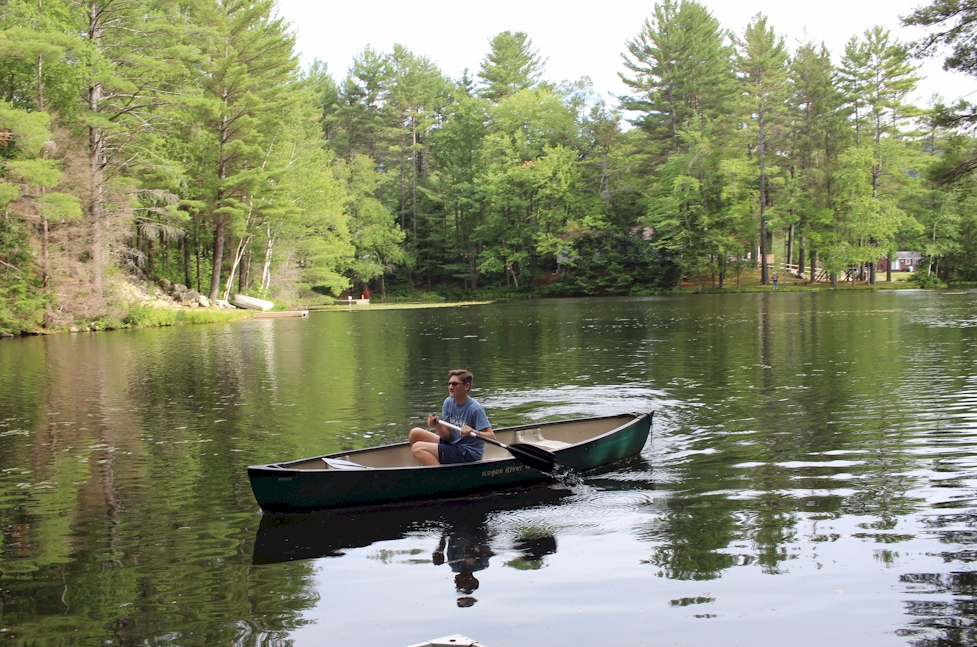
<point x="923" y="280"/>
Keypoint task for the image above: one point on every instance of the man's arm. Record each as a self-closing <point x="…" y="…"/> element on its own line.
<point x="443" y="432"/>
<point x="487" y="432"/>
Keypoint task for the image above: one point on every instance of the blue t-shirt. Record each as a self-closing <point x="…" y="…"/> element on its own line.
<point x="472" y="414"/>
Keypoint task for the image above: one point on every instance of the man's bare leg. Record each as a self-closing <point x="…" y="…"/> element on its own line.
<point x="424" y="446"/>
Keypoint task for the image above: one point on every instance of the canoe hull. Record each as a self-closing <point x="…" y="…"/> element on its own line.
<point x="250" y="303"/>
<point x="280" y="489"/>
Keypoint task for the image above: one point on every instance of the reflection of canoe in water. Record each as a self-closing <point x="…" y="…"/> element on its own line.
<point x="284" y="538"/>
<point x="390" y="473"/>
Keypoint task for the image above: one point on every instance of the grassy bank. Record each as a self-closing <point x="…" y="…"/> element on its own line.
<point x="144" y="317"/>
<point x="750" y="282"/>
<point x="150" y="317"/>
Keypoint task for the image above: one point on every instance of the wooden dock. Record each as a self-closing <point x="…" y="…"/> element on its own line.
<point x="281" y="315"/>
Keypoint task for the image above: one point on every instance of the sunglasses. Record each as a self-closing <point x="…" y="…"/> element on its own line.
<point x="451" y="384"/>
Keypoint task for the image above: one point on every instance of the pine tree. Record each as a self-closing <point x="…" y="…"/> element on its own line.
<point x="511" y="65"/>
<point x="373" y="229"/>
<point x="681" y="72"/>
<point x="457" y="164"/>
<point x="889" y="78"/>
<point x="879" y="71"/>
<point x="416" y="93"/>
<point x="819" y="130"/>
<point x="26" y="177"/>
<point x="250" y="64"/>
<point x="356" y="124"/>
<point x="953" y="25"/>
<point x="134" y="64"/>
<point x="763" y="63"/>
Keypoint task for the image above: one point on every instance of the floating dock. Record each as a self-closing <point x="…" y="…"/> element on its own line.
<point x="281" y="315"/>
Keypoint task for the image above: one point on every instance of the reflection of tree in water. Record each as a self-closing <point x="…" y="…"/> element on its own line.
<point x="695" y="533"/>
<point x="942" y="622"/>
<point x="532" y="550"/>
<point x="109" y="457"/>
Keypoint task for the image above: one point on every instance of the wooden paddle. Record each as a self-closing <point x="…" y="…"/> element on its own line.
<point x="530" y="455"/>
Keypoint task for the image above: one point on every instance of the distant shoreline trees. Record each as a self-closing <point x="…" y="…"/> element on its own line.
<point x="155" y="141"/>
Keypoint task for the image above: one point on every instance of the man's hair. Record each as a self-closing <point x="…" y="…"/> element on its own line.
<point x="461" y="374"/>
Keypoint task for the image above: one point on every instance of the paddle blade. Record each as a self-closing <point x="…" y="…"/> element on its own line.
<point x="533" y="456"/>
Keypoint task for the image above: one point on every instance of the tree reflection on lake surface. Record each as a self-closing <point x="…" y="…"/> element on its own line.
<point x="810" y="478"/>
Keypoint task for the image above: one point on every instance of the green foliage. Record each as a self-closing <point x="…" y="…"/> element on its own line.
<point x="680" y="71"/>
<point x="926" y="281"/>
<point x="22" y="299"/>
<point x="149" y="317"/>
<point x="374" y="231"/>
<point x="953" y="25"/>
<point x="512" y="65"/>
<point x="613" y="263"/>
<point x="199" y="150"/>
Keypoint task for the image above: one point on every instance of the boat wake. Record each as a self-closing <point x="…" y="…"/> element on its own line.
<point x="566" y="478"/>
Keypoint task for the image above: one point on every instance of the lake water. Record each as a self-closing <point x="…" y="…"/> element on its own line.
<point x="810" y="480"/>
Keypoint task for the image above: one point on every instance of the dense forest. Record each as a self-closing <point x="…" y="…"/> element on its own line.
<point x="144" y="139"/>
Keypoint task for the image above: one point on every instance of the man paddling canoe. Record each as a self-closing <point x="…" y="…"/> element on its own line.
<point x="448" y="445"/>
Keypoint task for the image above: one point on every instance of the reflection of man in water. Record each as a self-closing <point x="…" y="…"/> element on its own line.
<point x="468" y="551"/>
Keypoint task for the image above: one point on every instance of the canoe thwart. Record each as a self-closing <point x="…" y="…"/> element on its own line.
<point x="535" y="437"/>
<point x="339" y="464"/>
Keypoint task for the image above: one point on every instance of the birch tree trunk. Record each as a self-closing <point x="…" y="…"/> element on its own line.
<point x="242" y="246"/>
<point x="266" y="268"/>
<point x="96" y="160"/>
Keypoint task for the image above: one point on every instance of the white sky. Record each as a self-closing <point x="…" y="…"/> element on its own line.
<point x="577" y="39"/>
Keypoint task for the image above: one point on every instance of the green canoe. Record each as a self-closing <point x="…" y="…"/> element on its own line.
<point x="390" y="473"/>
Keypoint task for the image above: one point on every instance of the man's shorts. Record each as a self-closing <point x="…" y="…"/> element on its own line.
<point x="448" y="453"/>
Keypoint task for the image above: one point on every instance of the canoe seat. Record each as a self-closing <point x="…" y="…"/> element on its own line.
<point x="535" y="437"/>
<point x="492" y="452"/>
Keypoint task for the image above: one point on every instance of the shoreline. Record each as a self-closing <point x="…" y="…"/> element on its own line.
<point x="407" y="305"/>
<point x="141" y="317"/>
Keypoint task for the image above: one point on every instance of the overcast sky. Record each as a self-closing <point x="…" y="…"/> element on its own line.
<point x="577" y="40"/>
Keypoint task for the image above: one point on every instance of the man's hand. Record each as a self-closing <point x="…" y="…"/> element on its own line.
<point x="466" y="430"/>
<point x="432" y="421"/>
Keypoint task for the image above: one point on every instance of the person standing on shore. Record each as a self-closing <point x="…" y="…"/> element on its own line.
<point x="448" y="445"/>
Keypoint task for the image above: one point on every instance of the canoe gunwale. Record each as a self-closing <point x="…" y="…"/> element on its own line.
<point x="635" y="417"/>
